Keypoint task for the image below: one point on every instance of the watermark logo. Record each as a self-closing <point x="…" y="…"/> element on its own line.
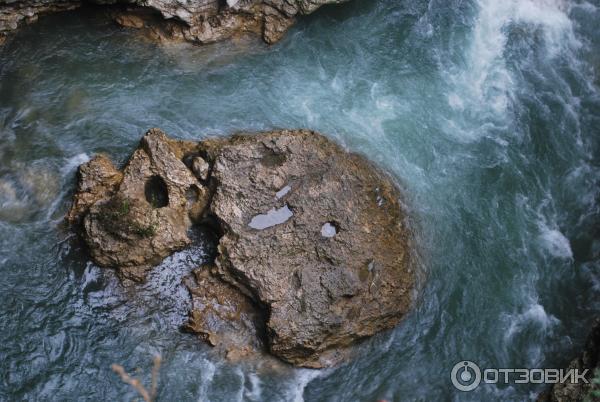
<point x="466" y="376"/>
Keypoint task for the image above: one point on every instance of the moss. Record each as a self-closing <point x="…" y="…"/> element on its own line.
<point x="116" y="218"/>
<point x="145" y="231"/>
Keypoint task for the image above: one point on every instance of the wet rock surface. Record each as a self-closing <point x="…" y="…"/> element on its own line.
<point x="198" y="21"/>
<point x="223" y="316"/>
<point x="305" y="283"/>
<point x="590" y="360"/>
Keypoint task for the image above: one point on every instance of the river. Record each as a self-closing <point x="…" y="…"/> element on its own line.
<point x="486" y="111"/>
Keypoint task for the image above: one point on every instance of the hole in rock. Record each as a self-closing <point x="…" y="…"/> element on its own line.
<point x="156" y="191"/>
<point x="329" y="229"/>
<point x="275" y="216"/>
<point x="192" y="194"/>
<point x="188" y="159"/>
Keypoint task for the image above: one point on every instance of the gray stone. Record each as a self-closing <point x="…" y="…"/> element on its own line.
<point x="201" y="168"/>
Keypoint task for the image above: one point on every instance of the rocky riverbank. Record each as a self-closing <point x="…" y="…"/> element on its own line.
<point x="588" y="360"/>
<point x="197" y="21"/>
<point x="313" y="251"/>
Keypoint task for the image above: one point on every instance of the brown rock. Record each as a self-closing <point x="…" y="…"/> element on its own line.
<point x="333" y="267"/>
<point x="197" y="21"/>
<point x="223" y="316"/>
<point x="97" y="179"/>
<point x="313" y="249"/>
<point x="276" y="24"/>
<point x="129" y="20"/>
<point x="201" y="168"/>
<point x="145" y="212"/>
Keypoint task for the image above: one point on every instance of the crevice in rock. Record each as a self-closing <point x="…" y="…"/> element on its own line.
<point x="212" y="223"/>
<point x="192" y="194"/>
<point x="204" y="235"/>
<point x="222" y="314"/>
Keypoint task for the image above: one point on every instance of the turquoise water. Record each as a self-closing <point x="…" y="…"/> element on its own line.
<point x="487" y="112"/>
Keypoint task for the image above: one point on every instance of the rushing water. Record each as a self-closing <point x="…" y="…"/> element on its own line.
<point x="487" y="111"/>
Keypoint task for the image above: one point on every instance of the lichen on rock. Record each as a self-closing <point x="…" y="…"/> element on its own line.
<point x="305" y="284"/>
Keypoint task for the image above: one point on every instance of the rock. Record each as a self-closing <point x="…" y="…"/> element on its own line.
<point x="197" y="21"/>
<point x="133" y="220"/>
<point x="15" y="13"/>
<point x="276" y="25"/>
<point x="222" y="315"/>
<point x="313" y="253"/>
<point x="201" y="168"/>
<point x="130" y="20"/>
<point x="580" y="391"/>
<point x="97" y="179"/>
<point x="322" y="293"/>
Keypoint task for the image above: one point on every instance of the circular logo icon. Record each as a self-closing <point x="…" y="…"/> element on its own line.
<point x="465" y="376"/>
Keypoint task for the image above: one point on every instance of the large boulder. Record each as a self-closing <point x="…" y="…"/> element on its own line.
<point x="314" y="234"/>
<point x="198" y="21"/>
<point x="313" y="250"/>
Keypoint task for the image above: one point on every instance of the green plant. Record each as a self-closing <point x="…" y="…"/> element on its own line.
<point x="116" y="217"/>
<point x="594" y="393"/>
<point x="115" y="209"/>
<point x="124" y="207"/>
<point x="154" y="201"/>
<point x="145" y="231"/>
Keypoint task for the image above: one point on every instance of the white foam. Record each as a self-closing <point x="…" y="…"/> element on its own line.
<point x="485" y="85"/>
<point x="73" y="162"/>
<point x="535" y="315"/>
<point x="455" y="102"/>
<point x="304" y="376"/>
<point x="208" y="374"/>
<point x="255" y="391"/>
<point x="555" y="242"/>
<point x="552" y="17"/>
